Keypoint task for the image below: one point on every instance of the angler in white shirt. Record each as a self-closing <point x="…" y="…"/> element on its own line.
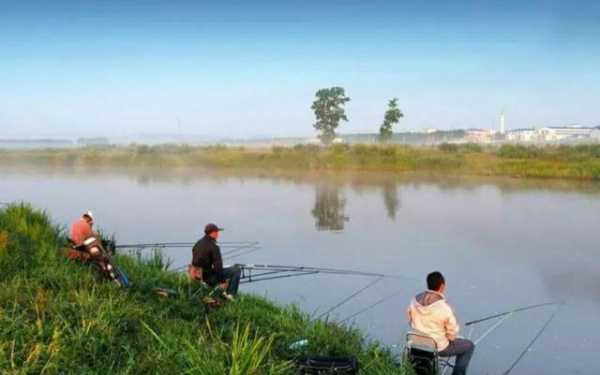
<point x="430" y="314"/>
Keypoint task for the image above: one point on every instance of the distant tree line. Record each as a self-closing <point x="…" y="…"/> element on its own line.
<point x="329" y="109"/>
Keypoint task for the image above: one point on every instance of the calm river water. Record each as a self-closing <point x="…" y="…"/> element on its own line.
<point x="501" y="243"/>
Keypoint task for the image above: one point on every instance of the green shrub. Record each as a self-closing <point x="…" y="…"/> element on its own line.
<point x="471" y="147"/>
<point x="340" y="148"/>
<point x="27" y="240"/>
<point x="514" y="151"/>
<point x="448" y="147"/>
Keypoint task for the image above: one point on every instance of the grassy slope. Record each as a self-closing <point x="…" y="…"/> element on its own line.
<point x="575" y="162"/>
<point x="54" y="318"/>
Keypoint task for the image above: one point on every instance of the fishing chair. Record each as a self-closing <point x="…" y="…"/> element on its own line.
<point x="195" y="274"/>
<point x="421" y="351"/>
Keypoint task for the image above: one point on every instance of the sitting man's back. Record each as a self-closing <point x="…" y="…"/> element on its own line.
<point x="429" y="313"/>
<point x="81" y="229"/>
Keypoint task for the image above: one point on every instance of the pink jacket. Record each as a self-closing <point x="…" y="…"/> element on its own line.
<point x="429" y="313"/>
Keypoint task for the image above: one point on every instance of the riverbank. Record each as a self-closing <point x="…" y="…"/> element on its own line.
<point x="580" y="162"/>
<point x="55" y="318"/>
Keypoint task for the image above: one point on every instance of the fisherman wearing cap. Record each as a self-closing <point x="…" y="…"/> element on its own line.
<point x="207" y="256"/>
<point x="81" y="229"/>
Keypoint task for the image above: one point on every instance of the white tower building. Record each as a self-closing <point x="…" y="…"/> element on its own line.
<point x="502" y="128"/>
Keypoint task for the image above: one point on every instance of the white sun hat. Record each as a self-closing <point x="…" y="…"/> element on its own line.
<point x="89" y="214"/>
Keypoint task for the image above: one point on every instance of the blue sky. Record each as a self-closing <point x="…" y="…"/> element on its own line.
<point x="251" y="68"/>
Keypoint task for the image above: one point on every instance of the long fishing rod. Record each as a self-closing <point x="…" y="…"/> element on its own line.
<point x="270" y="272"/>
<point x="484" y="319"/>
<point x="320" y="269"/>
<point x="505" y="316"/>
<point x="182" y="244"/>
<point x="528" y="347"/>
<point x="231" y="250"/>
<point x="253" y="280"/>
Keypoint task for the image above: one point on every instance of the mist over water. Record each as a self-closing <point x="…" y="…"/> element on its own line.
<point x="501" y="243"/>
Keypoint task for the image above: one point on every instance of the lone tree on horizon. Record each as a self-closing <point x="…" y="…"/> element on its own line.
<point x="392" y="116"/>
<point x="329" y="111"/>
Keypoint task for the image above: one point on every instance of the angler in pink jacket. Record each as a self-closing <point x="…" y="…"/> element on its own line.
<point x="429" y="313"/>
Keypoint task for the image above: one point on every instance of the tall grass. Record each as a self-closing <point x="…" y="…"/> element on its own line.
<point x="55" y="318"/>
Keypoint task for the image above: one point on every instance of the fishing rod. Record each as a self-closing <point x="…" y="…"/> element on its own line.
<point x="158" y="245"/>
<point x="532" y="342"/>
<point x="261" y="272"/>
<point x="232" y="250"/>
<point x="524" y="308"/>
<point x="505" y="316"/>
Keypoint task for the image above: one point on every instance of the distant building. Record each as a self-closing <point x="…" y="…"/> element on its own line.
<point x="522" y="135"/>
<point x="479" y="135"/>
<point x="431" y="131"/>
<point x="563" y="133"/>
<point x="317" y="141"/>
<point x="96" y="141"/>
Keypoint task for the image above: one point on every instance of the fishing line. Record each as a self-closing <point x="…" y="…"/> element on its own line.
<point x="246" y="252"/>
<point x="382" y="300"/>
<point x="528" y="347"/>
<point x="492" y="328"/>
<point x="232" y="252"/>
<point x="259" y="278"/>
<point x="350" y="297"/>
<point x="470" y="333"/>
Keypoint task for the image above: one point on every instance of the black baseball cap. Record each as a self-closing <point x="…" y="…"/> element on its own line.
<point x="209" y="228"/>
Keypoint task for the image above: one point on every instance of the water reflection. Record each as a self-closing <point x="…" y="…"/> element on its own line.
<point x="391" y="198"/>
<point x="363" y="181"/>
<point x="329" y="209"/>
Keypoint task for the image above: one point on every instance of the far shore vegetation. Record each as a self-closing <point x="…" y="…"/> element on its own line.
<point x="580" y="162"/>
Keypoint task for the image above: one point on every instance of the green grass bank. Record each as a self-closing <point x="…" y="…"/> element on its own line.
<point x="580" y="162"/>
<point x="56" y="319"/>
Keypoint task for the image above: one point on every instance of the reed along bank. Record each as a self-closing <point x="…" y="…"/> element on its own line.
<point x="581" y="162"/>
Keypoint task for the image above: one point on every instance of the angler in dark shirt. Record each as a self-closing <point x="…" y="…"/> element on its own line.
<point x="207" y="256"/>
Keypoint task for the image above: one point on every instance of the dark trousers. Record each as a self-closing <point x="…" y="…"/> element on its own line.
<point x="232" y="274"/>
<point x="463" y="350"/>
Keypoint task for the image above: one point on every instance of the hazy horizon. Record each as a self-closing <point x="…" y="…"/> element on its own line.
<point x="241" y="69"/>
